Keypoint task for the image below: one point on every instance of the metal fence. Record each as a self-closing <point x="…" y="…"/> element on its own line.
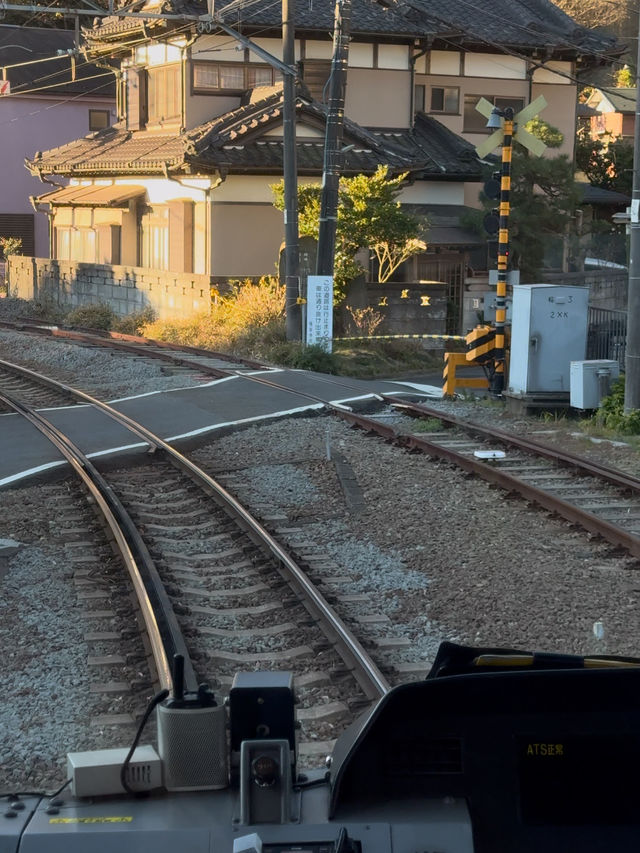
<point x="607" y="335"/>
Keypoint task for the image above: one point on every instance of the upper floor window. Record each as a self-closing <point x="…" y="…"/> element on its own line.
<point x="157" y="54"/>
<point x="164" y="93"/>
<point x="99" y="119"/>
<point x="475" y="122"/>
<point x="215" y="76"/>
<point x="445" y="99"/>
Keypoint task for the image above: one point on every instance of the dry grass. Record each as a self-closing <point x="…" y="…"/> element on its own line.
<point x="248" y="319"/>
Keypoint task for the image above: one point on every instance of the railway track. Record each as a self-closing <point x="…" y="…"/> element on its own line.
<point x="197" y="557"/>
<point x="193" y="526"/>
<point x="600" y="499"/>
<point x="205" y="362"/>
<point x="603" y="501"/>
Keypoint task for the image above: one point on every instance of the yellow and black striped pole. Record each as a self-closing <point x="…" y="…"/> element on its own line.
<point x="497" y="380"/>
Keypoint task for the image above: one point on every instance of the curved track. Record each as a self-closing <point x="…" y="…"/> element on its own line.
<point x="232" y="560"/>
<point x="603" y="501"/>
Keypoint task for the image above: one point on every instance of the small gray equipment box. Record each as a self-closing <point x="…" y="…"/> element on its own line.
<point x="591" y="381"/>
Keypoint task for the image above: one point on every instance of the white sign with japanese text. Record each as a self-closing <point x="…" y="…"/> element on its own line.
<point x="320" y="310"/>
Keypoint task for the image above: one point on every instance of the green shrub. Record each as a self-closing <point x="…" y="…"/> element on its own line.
<point x="258" y="342"/>
<point x="611" y="414"/>
<point x="295" y="354"/>
<point x="10" y="246"/>
<point x="98" y="316"/>
<point x="134" y="324"/>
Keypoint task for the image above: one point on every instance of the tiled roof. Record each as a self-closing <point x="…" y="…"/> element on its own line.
<point x="444" y="228"/>
<point x="24" y="44"/>
<point x="236" y="141"/>
<point x="622" y="100"/>
<point x="598" y="195"/>
<point x="93" y="195"/>
<point x="367" y="17"/>
<point x="112" y="151"/>
<point x="585" y="111"/>
<point x="520" y="24"/>
<point x="513" y="23"/>
<point x="441" y="150"/>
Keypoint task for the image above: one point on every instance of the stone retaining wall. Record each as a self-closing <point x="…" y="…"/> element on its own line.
<point x="71" y="284"/>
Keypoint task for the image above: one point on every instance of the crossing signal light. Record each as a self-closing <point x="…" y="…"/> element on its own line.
<point x="492" y="187"/>
<point x="491" y="222"/>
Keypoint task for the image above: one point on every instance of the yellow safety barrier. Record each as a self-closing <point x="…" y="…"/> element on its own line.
<point x="452" y="362"/>
<point x="481" y="344"/>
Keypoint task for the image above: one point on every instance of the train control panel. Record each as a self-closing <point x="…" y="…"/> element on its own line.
<point x="497" y="751"/>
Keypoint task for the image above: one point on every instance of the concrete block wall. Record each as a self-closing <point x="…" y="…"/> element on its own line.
<point x="126" y="289"/>
<point x="407" y="308"/>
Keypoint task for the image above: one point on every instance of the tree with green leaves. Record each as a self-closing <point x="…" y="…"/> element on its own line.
<point x="544" y="199"/>
<point x="369" y="217"/>
<point x="606" y="162"/>
<point x="624" y="78"/>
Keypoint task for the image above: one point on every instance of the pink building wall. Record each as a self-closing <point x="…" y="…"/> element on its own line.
<point x="37" y="123"/>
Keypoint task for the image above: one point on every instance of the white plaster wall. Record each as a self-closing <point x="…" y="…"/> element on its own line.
<point x="318" y="49"/>
<point x="494" y="65"/>
<point x="393" y="56"/>
<point x="250" y="188"/>
<point x="360" y="55"/>
<point x="379" y="98"/>
<point x="549" y="74"/>
<point x="303" y="130"/>
<point x="159" y="190"/>
<point x="217" y="49"/>
<point x="444" y="62"/>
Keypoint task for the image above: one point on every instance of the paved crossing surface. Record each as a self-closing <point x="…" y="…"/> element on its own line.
<point x="184" y="414"/>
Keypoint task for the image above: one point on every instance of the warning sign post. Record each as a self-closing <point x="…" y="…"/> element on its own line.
<point x="320" y="310"/>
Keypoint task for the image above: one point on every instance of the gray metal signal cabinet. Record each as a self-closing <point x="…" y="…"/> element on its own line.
<point x="548" y="332"/>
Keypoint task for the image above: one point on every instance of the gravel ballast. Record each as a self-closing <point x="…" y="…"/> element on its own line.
<point x="107" y="374"/>
<point x="441" y="555"/>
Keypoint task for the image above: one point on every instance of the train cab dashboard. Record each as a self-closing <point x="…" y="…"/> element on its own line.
<point x="497" y="751"/>
<point x="544" y="750"/>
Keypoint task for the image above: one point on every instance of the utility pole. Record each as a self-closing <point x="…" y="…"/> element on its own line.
<point x="632" y="355"/>
<point x="290" y="174"/>
<point x="332" y="166"/>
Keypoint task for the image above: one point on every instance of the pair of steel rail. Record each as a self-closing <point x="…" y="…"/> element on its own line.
<point x="160" y="621"/>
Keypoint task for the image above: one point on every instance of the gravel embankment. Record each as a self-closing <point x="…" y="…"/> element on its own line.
<point x="103" y="373"/>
